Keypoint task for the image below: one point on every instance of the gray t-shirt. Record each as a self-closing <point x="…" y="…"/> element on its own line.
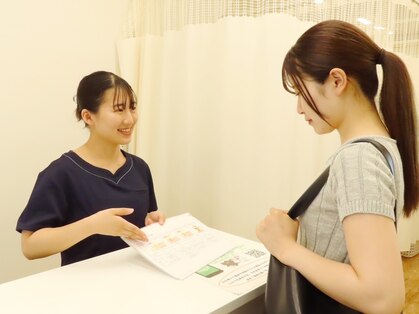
<point x="360" y="181"/>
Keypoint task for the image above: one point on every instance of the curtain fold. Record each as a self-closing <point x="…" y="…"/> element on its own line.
<point x="222" y="137"/>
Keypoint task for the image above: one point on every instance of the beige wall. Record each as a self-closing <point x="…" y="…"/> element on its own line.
<point x="46" y="47"/>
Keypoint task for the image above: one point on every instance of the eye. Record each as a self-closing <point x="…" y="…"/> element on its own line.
<point x="133" y="106"/>
<point x="119" y="107"/>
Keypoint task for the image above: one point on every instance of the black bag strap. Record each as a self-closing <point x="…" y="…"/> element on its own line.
<point x="301" y="205"/>
<point x="382" y="150"/>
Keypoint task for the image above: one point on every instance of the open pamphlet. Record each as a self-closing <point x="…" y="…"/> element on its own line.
<point x="182" y="245"/>
<point x="240" y="270"/>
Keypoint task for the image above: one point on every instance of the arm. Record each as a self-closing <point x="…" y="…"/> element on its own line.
<point x="373" y="283"/>
<point x="48" y="241"/>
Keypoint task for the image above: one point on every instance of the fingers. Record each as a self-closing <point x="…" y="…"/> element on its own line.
<point x="111" y="222"/>
<point x="259" y="229"/>
<point x="162" y="218"/>
<point x="135" y="233"/>
<point x="155" y="216"/>
<point x="121" y="211"/>
<point x="148" y="220"/>
<point x="274" y="217"/>
<point x="276" y="211"/>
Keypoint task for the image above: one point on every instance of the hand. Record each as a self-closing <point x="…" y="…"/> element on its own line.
<point x="155" y="216"/>
<point x="110" y="222"/>
<point x="278" y="232"/>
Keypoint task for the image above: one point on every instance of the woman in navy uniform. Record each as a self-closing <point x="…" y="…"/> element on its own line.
<point x="84" y="201"/>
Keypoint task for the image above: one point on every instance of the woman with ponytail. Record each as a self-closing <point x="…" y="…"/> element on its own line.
<point x="347" y="245"/>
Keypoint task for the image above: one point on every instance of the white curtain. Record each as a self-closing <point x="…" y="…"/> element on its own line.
<point x="222" y="137"/>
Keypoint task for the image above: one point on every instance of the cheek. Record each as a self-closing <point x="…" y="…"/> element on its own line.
<point x="135" y="117"/>
<point x="310" y="112"/>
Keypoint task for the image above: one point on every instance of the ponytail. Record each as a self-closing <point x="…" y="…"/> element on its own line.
<point x="398" y="111"/>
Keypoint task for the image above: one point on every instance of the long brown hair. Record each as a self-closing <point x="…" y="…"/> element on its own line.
<point x="337" y="44"/>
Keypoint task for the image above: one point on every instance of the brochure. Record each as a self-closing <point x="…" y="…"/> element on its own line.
<point x="240" y="270"/>
<point x="182" y="245"/>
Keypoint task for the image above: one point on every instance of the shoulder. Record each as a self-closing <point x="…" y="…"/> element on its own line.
<point x="364" y="156"/>
<point x="137" y="162"/>
<point x="55" y="176"/>
<point x="135" y="159"/>
<point x="361" y="179"/>
<point x="59" y="166"/>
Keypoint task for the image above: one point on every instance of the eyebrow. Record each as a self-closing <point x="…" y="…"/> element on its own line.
<point x="123" y="105"/>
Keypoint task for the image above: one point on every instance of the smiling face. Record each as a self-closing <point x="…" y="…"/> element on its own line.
<point x="114" y="122"/>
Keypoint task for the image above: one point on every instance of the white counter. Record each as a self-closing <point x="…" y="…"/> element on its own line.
<point x="118" y="282"/>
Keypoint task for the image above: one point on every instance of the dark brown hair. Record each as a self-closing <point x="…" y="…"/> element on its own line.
<point x="337" y="44"/>
<point x="92" y="87"/>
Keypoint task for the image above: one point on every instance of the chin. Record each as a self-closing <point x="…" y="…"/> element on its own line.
<point x="124" y="142"/>
<point x="324" y="131"/>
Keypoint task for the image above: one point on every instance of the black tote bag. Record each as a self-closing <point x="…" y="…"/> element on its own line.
<point x="287" y="291"/>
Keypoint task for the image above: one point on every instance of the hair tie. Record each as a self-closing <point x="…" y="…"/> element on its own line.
<point x="380" y="57"/>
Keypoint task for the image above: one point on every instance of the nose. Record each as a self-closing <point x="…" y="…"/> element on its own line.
<point x="299" y="105"/>
<point x="129" y="117"/>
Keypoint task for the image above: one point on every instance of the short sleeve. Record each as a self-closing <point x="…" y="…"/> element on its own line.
<point x="46" y="205"/>
<point x="362" y="182"/>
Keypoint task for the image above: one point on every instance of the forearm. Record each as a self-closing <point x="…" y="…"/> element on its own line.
<point x="341" y="282"/>
<point x="49" y="241"/>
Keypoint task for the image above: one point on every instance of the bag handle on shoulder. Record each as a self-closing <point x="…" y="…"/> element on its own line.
<point x="301" y="205"/>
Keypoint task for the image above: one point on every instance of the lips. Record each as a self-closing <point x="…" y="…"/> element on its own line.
<point x="126" y="131"/>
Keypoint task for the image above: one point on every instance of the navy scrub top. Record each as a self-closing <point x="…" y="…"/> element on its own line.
<point x="70" y="189"/>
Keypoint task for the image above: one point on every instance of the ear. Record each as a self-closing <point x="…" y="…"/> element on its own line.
<point x="87" y="117"/>
<point x="338" y="80"/>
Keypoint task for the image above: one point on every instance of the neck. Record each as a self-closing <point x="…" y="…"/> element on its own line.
<point x="366" y="124"/>
<point x="105" y="152"/>
<point x="102" y="155"/>
<point x="361" y="118"/>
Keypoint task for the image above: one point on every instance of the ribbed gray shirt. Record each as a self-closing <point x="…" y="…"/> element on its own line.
<point x="360" y="181"/>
